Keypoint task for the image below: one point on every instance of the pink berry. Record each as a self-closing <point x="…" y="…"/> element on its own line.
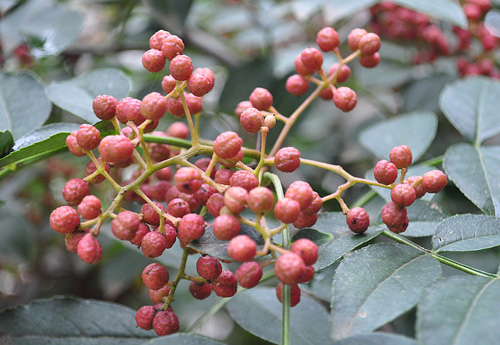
<point x="297" y="85"/>
<point x="306" y="249"/>
<point x="178" y="130"/>
<point x="150" y="215"/>
<point x="200" y="290"/>
<point x="153" y="244"/>
<point x="248" y="274"/>
<point x="215" y="203"/>
<point x="144" y="317"/>
<point x="168" y="84"/>
<point x="125" y="225"/>
<point x="140" y="233"/>
<point x="294" y="294"/>
<point x="172" y="46"/>
<point x="327" y="39"/>
<point x="312" y="59"/>
<point x="315" y="206"/>
<point x="115" y="148"/>
<point x="369" y="61"/>
<point x="104" y="107"/>
<point x="225" y="227"/>
<point x="260" y="199"/>
<point x="287" y="210"/>
<point x="178" y="207"/>
<point x="235" y="199"/>
<point x="88" y="137"/>
<point x="244" y="179"/>
<point x="225" y="285"/>
<point x="301" y="68"/>
<point x="358" y="220"/>
<point x="343" y="74"/>
<point x="345" y="98"/>
<point x="89" y="249"/>
<point x="300" y="191"/>
<point x="208" y="267"/>
<point x="181" y="67"/>
<point x="434" y="181"/>
<point x="369" y="44"/>
<point x="241" y="107"/>
<point x="251" y="120"/>
<point x="204" y="193"/>
<point x="305" y="220"/>
<point x="191" y="227"/>
<point x="289" y="267"/>
<point x="401" y="156"/>
<point x="156" y="40"/>
<point x="155" y="276"/>
<point x="73" y="146"/>
<point x="64" y="219"/>
<point x="287" y="159"/>
<point x="227" y="145"/>
<point x="199" y="84"/>
<point x="242" y="248"/>
<point x="393" y="215"/>
<point x="75" y="190"/>
<point x="165" y="323"/>
<point x="354" y="37"/>
<point x="403" y="194"/>
<point x="156" y="296"/>
<point x="89" y="207"/>
<point x="385" y="172"/>
<point x="72" y="239"/>
<point x="153" y="60"/>
<point x="153" y="106"/>
<point x="187" y="180"/>
<point x="261" y="98"/>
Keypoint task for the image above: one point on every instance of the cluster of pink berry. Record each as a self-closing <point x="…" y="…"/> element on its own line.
<point x="403" y="194"/>
<point x="400" y="23"/>
<point x="310" y="60"/>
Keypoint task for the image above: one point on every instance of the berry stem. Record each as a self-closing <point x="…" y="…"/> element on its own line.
<point x="192" y="129"/>
<point x="257" y="172"/>
<point x="100" y="169"/>
<point x="161" y="213"/>
<point x="180" y="275"/>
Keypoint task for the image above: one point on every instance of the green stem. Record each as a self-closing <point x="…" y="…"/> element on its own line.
<point x="365" y="198"/>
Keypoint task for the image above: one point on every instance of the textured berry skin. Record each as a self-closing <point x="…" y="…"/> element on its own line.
<point x="90" y="168"/>
<point x="165" y="323"/>
<point x="403" y="194"/>
<point x="393" y="215"/>
<point x="434" y="181"/>
<point x="156" y="296"/>
<point x="305" y="220"/>
<point x="75" y="190"/>
<point x="369" y="61"/>
<point x="178" y="130"/>
<point x="227" y="145"/>
<point x="200" y="290"/>
<point x="199" y="84"/>
<point x="343" y="74"/>
<point x="115" y="148"/>
<point x="144" y="317"/>
<point x="187" y="180"/>
<point x="203" y="164"/>
<point x="153" y="60"/>
<point x="129" y="109"/>
<point x="385" y="172"/>
<point x="168" y="84"/>
<point x="244" y="179"/>
<point x="327" y="39"/>
<point x="241" y="107"/>
<point x="358" y="220"/>
<point x="251" y="120"/>
<point x="89" y="249"/>
<point x="242" y="248"/>
<point x="225" y="285"/>
<point x="306" y="249"/>
<point x="369" y="44"/>
<point x="158" y="152"/>
<point x="175" y="107"/>
<point x="223" y="176"/>
<point x="261" y="98"/>
<point x="231" y="162"/>
<point x="289" y="267"/>
<point x="72" y="239"/>
<point x="401" y="227"/>
<point x="354" y="37"/>
<point x="327" y="94"/>
<point x="345" y="98"/>
<point x="297" y="85"/>
<point x="307" y="276"/>
<point x="204" y="193"/>
<point x="156" y="40"/>
<point x="164" y="174"/>
<point x="300" y="67"/>
<point x="235" y="199"/>
<point x="140" y="233"/>
<point x="312" y="59"/>
<point x="64" y="219"/>
<point x="153" y="106"/>
<point x="125" y="225"/>
<point x="315" y="206"/>
<point x="153" y="244"/>
<point x="208" y="267"/>
<point x="300" y="191"/>
<point x="194" y="103"/>
<point x="287" y="210"/>
<point x="181" y="67"/>
<point x="90" y="207"/>
<point x="260" y="199"/>
<point x="416" y="183"/>
<point x="225" y="227"/>
<point x="401" y="156"/>
<point x="149" y="214"/>
<point x="248" y="274"/>
<point x="73" y="146"/>
<point x="155" y="276"/>
<point x="294" y="294"/>
<point x="215" y="203"/>
<point x="104" y="107"/>
<point x="191" y="227"/>
<point x="287" y="159"/>
<point x="172" y="46"/>
<point x="88" y="137"/>
<point x="178" y="207"/>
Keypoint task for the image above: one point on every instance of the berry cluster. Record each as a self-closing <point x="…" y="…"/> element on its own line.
<point x="166" y="195"/>
<point x="400" y="23"/>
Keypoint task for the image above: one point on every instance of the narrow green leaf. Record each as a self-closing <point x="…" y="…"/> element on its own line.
<point x="377" y="283"/>
<point x="343" y="240"/>
<point x="62" y="320"/>
<point x="77" y="94"/>
<point x="23" y="103"/>
<point x="258" y="311"/>
<point x="467" y="232"/>
<point x="459" y="310"/>
<point x="424" y="217"/>
<point x="6" y="142"/>
<point x="416" y="130"/>
<point x="314" y="235"/>
<point x="377" y="339"/>
<point x="470" y="104"/>
<point x="479" y="178"/>
<point x="182" y="339"/>
<point x="447" y="10"/>
<point x="423" y="94"/>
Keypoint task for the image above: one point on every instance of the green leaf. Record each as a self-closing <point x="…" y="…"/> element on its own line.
<point x="466" y="232"/>
<point x="209" y="244"/>
<point x="423" y="94"/>
<point x="459" y="310"/>
<point x="447" y="10"/>
<point x="377" y="339"/>
<point x="471" y="105"/>
<point x="424" y="217"/>
<point x="259" y="312"/>
<point x="335" y="10"/>
<point x="6" y="142"/>
<point x="314" y="235"/>
<point x="182" y="339"/>
<point x="476" y="172"/>
<point x="61" y="320"/>
<point x="416" y="130"/>
<point x="23" y="103"/>
<point x="377" y="283"/>
<point x="77" y="94"/>
<point x="45" y="140"/>
<point x="343" y="240"/>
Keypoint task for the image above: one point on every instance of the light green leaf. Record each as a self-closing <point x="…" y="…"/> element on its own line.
<point x="77" y="94"/>
<point x="423" y="94"/>
<point x="466" y="232"/>
<point x="335" y="10"/>
<point x="459" y="310"/>
<point x="314" y="235"/>
<point x="377" y="339"/>
<point x="182" y="339"/>
<point x="447" y="10"/>
<point x="377" y="283"/>
<point x="416" y="130"/>
<point x="23" y="103"/>
<point x="476" y="172"/>
<point x="424" y="217"/>
<point x="258" y="311"/>
<point x="471" y="105"/>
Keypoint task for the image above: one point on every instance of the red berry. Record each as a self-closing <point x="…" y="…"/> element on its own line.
<point x="225" y="227"/>
<point x="178" y="207"/>
<point x="88" y="137"/>
<point x="297" y="85"/>
<point x="385" y="172"/>
<point x="164" y="174"/>
<point x="231" y="162"/>
<point x="300" y="191"/>
<point x="178" y="130"/>
<point x="369" y="44"/>
<point x="401" y="156"/>
<point x="312" y="59"/>
<point x="204" y="193"/>
<point x="125" y="225"/>
<point x="153" y="60"/>
<point x="168" y="84"/>
<point x="287" y="210"/>
<point x="140" y="233"/>
<point x="315" y="205"/>
<point x="64" y="219"/>
<point x="104" y="107"/>
<point x="287" y="159"/>
<point x="200" y="290"/>
<point x="305" y="220"/>
<point x="215" y="203"/>
<point x="144" y="317"/>
<point x="289" y="267"/>
<point x="260" y="199"/>
<point x="223" y="176"/>
<point x="115" y="148"/>
<point x="345" y="98"/>
<point x="225" y="285"/>
<point x="155" y="276"/>
<point x="194" y="104"/>
<point x="156" y="296"/>
<point x="153" y="106"/>
<point x="248" y="274"/>
<point x="73" y="146"/>
<point x="241" y="107"/>
<point x="307" y="276"/>
<point x="191" y="227"/>
<point x="89" y="249"/>
<point x="208" y="267"/>
<point x="393" y="215"/>
<point x="149" y="215"/>
<point x="242" y="248"/>
<point x="244" y="179"/>
<point x="434" y="181"/>
<point x="369" y="61"/>
<point x="403" y="194"/>
<point x="172" y="46"/>
<point x="327" y="93"/>
<point x="294" y="294"/>
<point x="251" y="120"/>
<point x="354" y="37"/>
<point x="75" y="190"/>
<point x="89" y="207"/>
<point x="156" y="40"/>
<point x="154" y="244"/>
<point x="343" y="74"/>
<point x="227" y="145"/>
<point x="261" y="98"/>
<point x="181" y="67"/>
<point x="358" y="220"/>
<point x="327" y="39"/>
<point x="416" y="183"/>
<point x="306" y="249"/>
<point x="199" y="84"/>
<point x="235" y="199"/>
<point x="165" y="323"/>
<point x="72" y="239"/>
<point x="187" y="180"/>
<point x="129" y="109"/>
<point x="301" y="68"/>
